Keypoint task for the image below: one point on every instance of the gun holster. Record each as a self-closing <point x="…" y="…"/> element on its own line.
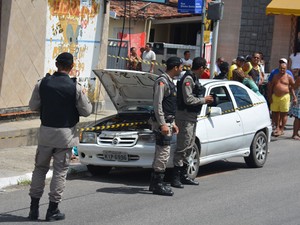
<point x="161" y="139"/>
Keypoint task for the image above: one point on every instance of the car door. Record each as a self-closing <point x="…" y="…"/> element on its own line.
<point x="225" y="131"/>
<point x="247" y="112"/>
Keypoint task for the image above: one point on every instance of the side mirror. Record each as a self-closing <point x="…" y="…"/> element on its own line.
<point x="213" y="111"/>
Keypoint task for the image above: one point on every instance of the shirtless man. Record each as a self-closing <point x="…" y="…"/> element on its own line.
<point x="279" y="97"/>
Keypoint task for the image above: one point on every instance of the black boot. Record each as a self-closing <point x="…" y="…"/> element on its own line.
<point x="159" y="188"/>
<point x="185" y="179"/>
<point x="151" y="186"/>
<point x="34" y="209"/>
<point x="53" y="212"/>
<point x="176" y="177"/>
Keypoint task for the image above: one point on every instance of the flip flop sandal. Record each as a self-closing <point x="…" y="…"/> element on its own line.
<point x="275" y="133"/>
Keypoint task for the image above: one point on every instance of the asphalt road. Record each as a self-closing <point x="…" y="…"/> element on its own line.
<point x="229" y="194"/>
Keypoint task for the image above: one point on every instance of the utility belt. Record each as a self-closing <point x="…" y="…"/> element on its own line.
<point x="163" y="140"/>
<point x="169" y="119"/>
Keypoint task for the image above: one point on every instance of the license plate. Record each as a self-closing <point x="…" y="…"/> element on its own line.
<point x="115" y="156"/>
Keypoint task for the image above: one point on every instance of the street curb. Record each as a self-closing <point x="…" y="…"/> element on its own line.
<point x="10" y="181"/>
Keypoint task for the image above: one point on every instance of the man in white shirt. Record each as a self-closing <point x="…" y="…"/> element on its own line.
<point x="220" y="60"/>
<point x="149" y="58"/>
<point x="187" y="62"/>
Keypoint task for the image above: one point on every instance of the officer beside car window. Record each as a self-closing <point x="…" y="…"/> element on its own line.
<point x="189" y="101"/>
<point x="164" y="104"/>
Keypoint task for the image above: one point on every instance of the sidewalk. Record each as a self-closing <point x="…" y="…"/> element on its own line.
<point x="16" y="165"/>
<point x="18" y="143"/>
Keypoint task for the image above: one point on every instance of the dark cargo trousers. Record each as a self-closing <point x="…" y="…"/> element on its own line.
<point x="61" y="161"/>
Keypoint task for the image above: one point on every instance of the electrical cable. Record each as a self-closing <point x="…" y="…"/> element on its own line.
<point x="129" y="24"/>
<point x="124" y="19"/>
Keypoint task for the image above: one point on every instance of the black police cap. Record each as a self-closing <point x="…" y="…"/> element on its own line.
<point x="173" y="61"/>
<point x="65" y="58"/>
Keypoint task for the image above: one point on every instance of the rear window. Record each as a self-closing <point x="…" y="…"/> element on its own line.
<point x="241" y="97"/>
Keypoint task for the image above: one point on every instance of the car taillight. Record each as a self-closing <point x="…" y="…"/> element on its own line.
<point x="88" y="137"/>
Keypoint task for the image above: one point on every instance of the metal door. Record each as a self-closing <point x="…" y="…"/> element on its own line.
<point x="115" y="61"/>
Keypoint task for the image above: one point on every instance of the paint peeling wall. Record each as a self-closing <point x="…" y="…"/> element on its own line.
<point x="34" y="32"/>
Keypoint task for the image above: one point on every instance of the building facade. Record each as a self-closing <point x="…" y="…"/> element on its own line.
<point x="244" y="29"/>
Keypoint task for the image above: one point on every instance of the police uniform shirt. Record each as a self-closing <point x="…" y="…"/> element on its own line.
<point x="161" y="90"/>
<point x="60" y="137"/>
<point x="188" y="85"/>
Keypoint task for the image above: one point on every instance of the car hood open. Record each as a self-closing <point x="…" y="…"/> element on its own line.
<point x="127" y="88"/>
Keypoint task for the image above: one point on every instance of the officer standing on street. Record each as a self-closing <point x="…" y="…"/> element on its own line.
<point x="164" y="104"/>
<point x="189" y="101"/>
<point x="61" y="101"/>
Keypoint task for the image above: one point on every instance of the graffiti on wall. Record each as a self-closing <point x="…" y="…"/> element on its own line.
<point x="73" y="26"/>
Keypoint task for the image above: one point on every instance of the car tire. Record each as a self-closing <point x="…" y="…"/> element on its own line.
<point x="98" y="170"/>
<point x="258" y="151"/>
<point x="194" y="162"/>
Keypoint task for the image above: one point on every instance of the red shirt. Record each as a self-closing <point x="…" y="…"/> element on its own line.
<point x="205" y="75"/>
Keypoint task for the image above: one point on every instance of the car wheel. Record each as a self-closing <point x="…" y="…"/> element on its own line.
<point x="258" y="151"/>
<point x="194" y="162"/>
<point x="98" y="170"/>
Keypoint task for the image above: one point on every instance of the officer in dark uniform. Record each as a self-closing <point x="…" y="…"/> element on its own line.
<point x="60" y="101"/>
<point x="189" y="101"/>
<point x="164" y="104"/>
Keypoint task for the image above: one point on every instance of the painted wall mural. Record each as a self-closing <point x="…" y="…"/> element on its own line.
<point x="73" y="26"/>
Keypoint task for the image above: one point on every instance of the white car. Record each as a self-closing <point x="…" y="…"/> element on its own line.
<point x="236" y="124"/>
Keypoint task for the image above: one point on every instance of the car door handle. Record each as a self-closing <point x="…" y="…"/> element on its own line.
<point x="238" y="121"/>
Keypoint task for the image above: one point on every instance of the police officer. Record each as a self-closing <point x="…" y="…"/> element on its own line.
<point x="60" y="101"/>
<point x="189" y="102"/>
<point x="164" y="103"/>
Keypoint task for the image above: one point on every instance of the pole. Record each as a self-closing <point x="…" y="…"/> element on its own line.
<point x="214" y="47"/>
<point x="202" y="28"/>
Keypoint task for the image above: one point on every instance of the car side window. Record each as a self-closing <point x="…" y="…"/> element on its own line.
<point x="241" y="97"/>
<point x="222" y="99"/>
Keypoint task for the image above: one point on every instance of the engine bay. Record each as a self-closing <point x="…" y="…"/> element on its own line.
<point x="127" y="121"/>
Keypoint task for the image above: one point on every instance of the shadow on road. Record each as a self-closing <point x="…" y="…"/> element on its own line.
<point x="6" y="217"/>
<point x="136" y="180"/>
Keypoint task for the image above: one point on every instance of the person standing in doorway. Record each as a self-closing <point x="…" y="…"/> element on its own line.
<point x="149" y="59"/>
<point x="164" y="104"/>
<point x="187" y="62"/>
<point x="134" y="60"/>
<point x="189" y="103"/>
<point x="60" y="101"/>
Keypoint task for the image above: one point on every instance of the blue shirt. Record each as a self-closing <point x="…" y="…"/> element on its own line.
<point x="276" y="71"/>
